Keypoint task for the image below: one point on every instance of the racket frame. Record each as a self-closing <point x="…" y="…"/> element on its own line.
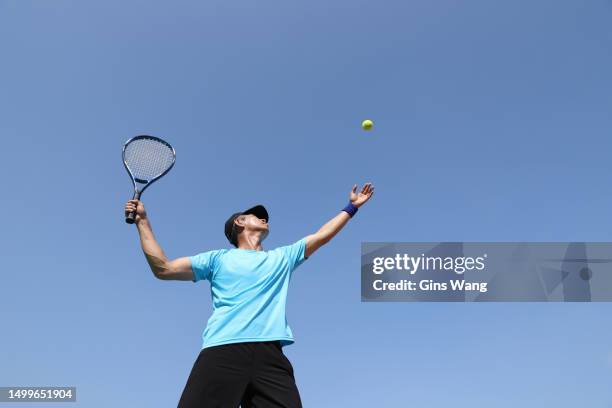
<point x="146" y="183"/>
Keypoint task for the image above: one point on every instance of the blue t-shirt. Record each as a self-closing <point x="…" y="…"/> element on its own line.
<point x="249" y="292"/>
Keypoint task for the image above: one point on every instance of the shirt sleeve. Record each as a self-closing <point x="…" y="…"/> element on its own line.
<point x="203" y="265"/>
<point x="295" y="253"/>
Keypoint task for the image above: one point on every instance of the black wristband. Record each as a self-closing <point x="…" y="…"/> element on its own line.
<point x="350" y="209"/>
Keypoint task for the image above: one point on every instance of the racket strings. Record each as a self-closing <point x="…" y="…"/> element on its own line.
<point x="148" y="158"/>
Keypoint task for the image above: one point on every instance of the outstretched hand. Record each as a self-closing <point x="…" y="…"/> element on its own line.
<point x="359" y="199"/>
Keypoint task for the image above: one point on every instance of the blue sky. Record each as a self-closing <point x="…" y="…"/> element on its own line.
<point x="492" y="123"/>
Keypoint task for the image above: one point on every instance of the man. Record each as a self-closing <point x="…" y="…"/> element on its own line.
<point x="241" y="361"/>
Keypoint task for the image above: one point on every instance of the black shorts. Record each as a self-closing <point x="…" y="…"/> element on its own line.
<point x="249" y="375"/>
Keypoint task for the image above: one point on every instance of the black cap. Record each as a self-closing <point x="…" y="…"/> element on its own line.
<point x="259" y="211"/>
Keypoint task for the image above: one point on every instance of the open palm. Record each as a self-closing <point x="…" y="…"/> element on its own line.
<point x="358" y="199"/>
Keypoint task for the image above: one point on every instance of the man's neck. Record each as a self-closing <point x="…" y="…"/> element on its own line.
<point x="252" y="241"/>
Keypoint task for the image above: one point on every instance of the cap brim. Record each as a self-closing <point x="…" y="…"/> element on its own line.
<point x="259" y="211"/>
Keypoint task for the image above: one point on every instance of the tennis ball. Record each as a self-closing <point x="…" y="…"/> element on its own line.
<point x="367" y="124"/>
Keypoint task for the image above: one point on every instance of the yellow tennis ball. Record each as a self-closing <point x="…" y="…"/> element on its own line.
<point x="367" y="124"/>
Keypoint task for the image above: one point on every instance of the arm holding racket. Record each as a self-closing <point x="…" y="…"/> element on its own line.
<point x="162" y="267"/>
<point x="333" y="226"/>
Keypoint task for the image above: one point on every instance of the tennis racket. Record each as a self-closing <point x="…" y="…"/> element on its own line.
<point x="146" y="159"/>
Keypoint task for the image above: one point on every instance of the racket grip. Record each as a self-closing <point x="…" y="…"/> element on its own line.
<point x="131" y="217"/>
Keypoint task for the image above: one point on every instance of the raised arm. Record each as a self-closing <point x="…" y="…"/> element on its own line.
<point x="333" y="226"/>
<point x="162" y="267"/>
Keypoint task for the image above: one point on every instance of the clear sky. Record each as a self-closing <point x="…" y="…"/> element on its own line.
<point x="492" y="123"/>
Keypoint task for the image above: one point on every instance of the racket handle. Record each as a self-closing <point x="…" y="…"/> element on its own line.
<point x="131" y="217"/>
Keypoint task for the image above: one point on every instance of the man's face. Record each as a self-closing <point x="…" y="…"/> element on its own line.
<point x="250" y="222"/>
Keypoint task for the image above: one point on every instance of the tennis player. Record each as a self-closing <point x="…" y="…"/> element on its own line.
<point x="242" y="361"/>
